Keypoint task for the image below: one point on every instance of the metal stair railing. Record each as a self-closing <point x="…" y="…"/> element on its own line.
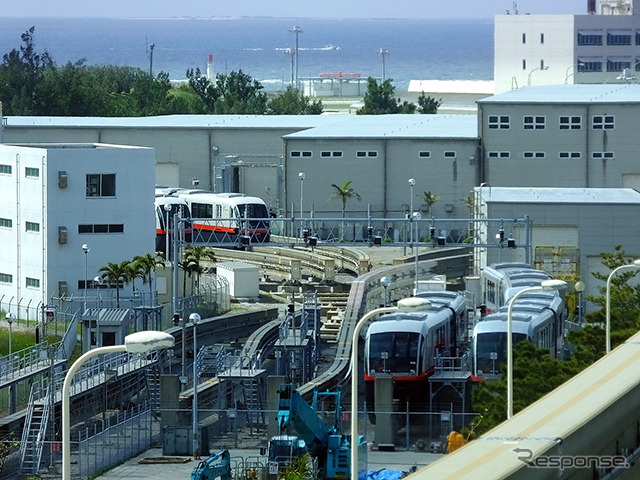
<point x="34" y="433"/>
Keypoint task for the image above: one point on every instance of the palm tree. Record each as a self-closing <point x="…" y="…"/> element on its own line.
<point x="144" y="266"/>
<point x="193" y="261"/>
<point x="429" y="198"/>
<point x="114" y="273"/>
<point x="344" y="192"/>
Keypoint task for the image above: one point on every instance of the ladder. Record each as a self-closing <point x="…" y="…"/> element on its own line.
<point x="34" y="433"/>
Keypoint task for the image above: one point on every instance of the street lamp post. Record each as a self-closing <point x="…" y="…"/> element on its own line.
<point x="412" y="182"/>
<point x="97" y="282"/>
<point x="302" y="176"/>
<point x="404" y="305"/>
<point x="383" y="52"/>
<point x="140" y="342"/>
<point x="385" y="282"/>
<point x="9" y="317"/>
<point x="634" y="266"/>
<point x="545" y="67"/>
<point x="195" y="318"/>
<point x="546" y="285"/>
<point x="85" y="249"/>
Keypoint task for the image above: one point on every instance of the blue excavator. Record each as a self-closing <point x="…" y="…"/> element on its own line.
<point x="216" y="467"/>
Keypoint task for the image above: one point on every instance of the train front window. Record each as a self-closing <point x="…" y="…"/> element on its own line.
<point x="395" y="352"/>
<point x="253" y="210"/>
<point x="491" y="350"/>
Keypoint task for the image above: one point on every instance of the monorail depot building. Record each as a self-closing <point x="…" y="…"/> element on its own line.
<point x="57" y="198"/>
<point x="578" y="136"/>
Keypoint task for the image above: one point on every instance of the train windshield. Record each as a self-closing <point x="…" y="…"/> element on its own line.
<point x="167" y="215"/>
<point x="393" y="352"/>
<point x="491" y="351"/>
<point x="252" y="210"/>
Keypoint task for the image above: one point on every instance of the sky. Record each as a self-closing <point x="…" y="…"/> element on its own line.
<point x="285" y="8"/>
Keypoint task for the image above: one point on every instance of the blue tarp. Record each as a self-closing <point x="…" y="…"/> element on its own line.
<point x="381" y="475"/>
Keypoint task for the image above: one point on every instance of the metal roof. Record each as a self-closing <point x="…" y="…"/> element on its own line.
<point x="395" y="126"/>
<point x="519" y="195"/>
<point x="565" y="94"/>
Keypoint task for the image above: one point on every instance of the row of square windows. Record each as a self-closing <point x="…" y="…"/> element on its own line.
<point x="597" y="38"/>
<point x="30" y="282"/>
<point x="565" y="122"/>
<point x="371" y="153"/>
<point x="82" y="228"/>
<point x="563" y="155"/>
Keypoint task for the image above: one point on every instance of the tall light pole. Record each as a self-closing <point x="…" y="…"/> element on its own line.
<point x="290" y="52"/>
<point x="140" y="342"/>
<point x="546" y="285"/>
<point x="302" y="176"/>
<point x="383" y="52"/>
<point x="9" y="317"/>
<point x="633" y="266"/>
<point x="544" y="67"/>
<point x="412" y="182"/>
<point x="195" y="318"/>
<point x="385" y="282"/>
<point x="97" y="282"/>
<point x="296" y="31"/>
<point x="85" y="249"/>
<point x="404" y="305"/>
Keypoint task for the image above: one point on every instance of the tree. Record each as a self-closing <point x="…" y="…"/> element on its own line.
<point x="193" y="261"/>
<point x="344" y="192"/>
<point x="117" y="274"/>
<point x="236" y="93"/>
<point x="589" y="341"/>
<point x="145" y="265"/>
<point x="428" y="104"/>
<point x="293" y="102"/>
<point x="378" y="100"/>
<point x="429" y="198"/>
<point x="20" y="74"/>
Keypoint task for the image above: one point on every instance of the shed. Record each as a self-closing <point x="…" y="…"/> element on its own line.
<point x="243" y="279"/>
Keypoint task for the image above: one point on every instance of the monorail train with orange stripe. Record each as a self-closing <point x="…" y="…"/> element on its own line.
<point x="501" y="281"/>
<point x="166" y="207"/>
<point x="227" y="217"/>
<point x="405" y="345"/>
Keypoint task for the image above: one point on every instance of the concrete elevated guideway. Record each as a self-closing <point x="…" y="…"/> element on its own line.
<point x="588" y="428"/>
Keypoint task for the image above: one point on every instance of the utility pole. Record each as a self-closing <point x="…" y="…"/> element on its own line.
<point x="296" y="31"/>
<point x="151" y="47"/>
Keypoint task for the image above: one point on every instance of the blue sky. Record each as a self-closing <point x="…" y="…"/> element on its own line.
<point x="284" y="8"/>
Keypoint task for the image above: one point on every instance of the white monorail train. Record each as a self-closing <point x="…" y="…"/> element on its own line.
<point x="227" y="217"/>
<point x="501" y="281"/>
<point x="166" y="207"/>
<point x="537" y="316"/>
<point x="405" y="344"/>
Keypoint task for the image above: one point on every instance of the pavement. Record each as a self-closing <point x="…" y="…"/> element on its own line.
<point x="154" y="466"/>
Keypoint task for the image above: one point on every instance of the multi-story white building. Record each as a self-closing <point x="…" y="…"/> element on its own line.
<point x="597" y="47"/>
<point x="57" y="198"/>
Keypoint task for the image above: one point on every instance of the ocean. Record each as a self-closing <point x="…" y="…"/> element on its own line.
<point x="420" y="49"/>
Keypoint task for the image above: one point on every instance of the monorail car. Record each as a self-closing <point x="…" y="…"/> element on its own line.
<point x="166" y="208"/>
<point x="405" y="344"/>
<point x="227" y="217"/>
<point x="501" y="281"/>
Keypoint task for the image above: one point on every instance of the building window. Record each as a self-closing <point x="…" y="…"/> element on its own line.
<point x="6" y="169"/>
<point x="31" y="226"/>
<point x="366" y="153"/>
<point x="567" y="122"/>
<point x="31" y="172"/>
<point x="590" y="38"/>
<point x="534" y="122"/>
<point x="6" y="223"/>
<point x="524" y="64"/>
<point x="590" y="65"/>
<point x="6" y="278"/>
<point x="542" y="38"/>
<point x="619" y="37"/>
<point x="424" y="154"/>
<point x="637" y="38"/>
<point x="499" y="154"/>
<point x="618" y="64"/>
<point x="603" y="155"/>
<point x="101" y="185"/>
<point x="33" y="283"/>
<point x="301" y="153"/>
<point x="450" y="154"/>
<point x="572" y="155"/>
<point x="534" y="155"/>
<point x="326" y="153"/>
<point x="111" y="228"/>
<point x="524" y="38"/>
<point x="502" y="122"/>
<point x="603" y="122"/>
